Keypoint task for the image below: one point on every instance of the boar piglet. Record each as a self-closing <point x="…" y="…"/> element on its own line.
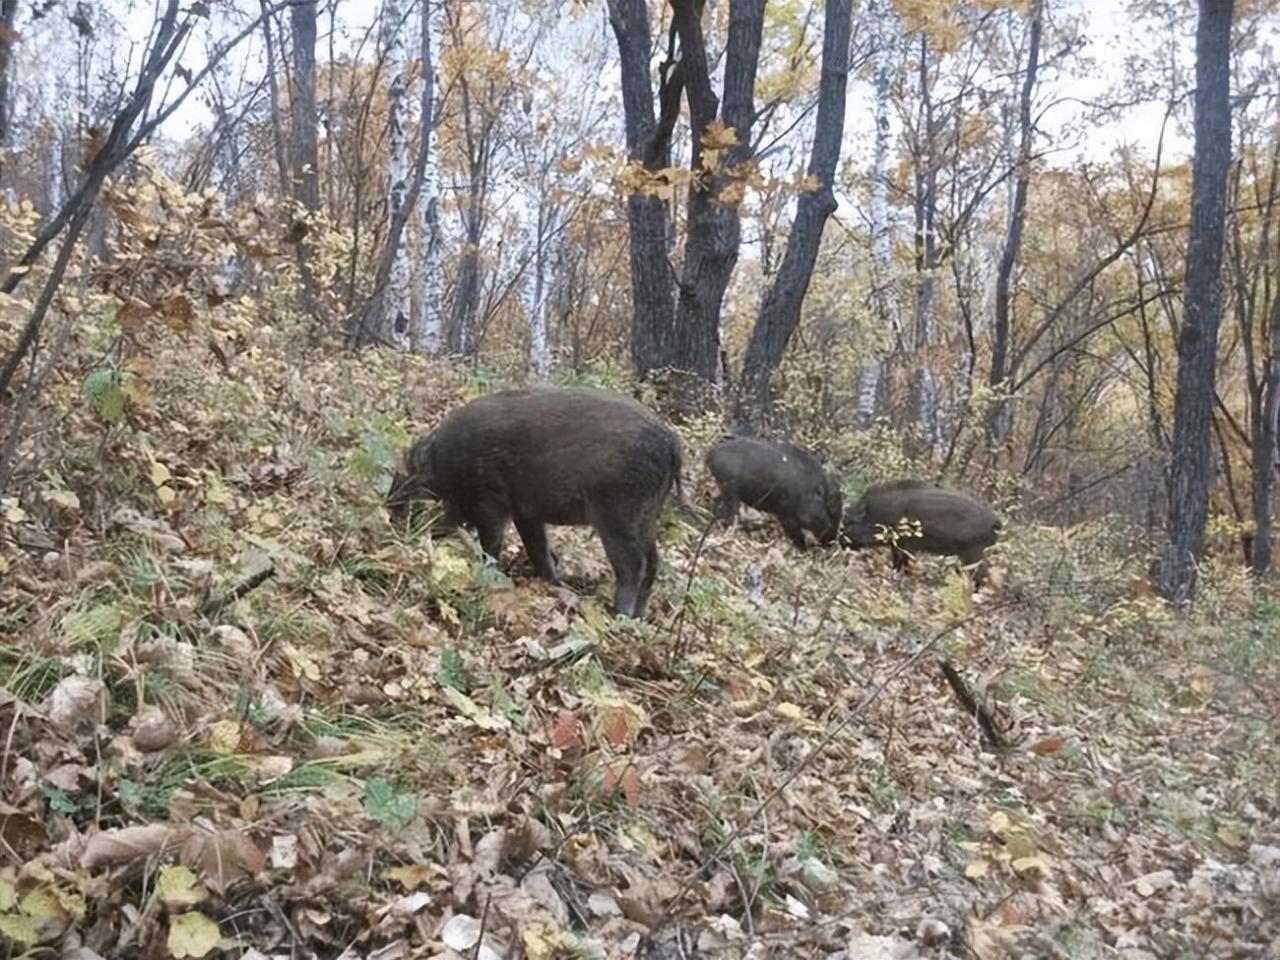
<point x="780" y="479"/>
<point x="571" y="457"/>
<point x="950" y="523"/>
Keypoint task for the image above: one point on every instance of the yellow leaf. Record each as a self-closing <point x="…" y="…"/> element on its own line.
<point x="64" y="498"/>
<point x="179" y="887"/>
<point x="192" y="935"/>
<point x="159" y="473"/>
<point x="977" y="869"/>
<point x="224" y="736"/>
<point x="718" y="136"/>
<point x="15" y="514"/>
<point x="411" y="876"/>
<point x="8" y="893"/>
<point x="41" y="904"/>
<point x="1023" y="864"/>
<point x="165" y="495"/>
<point x="215" y="491"/>
<point x="303" y="663"/>
<point x="18" y="929"/>
<point x="789" y="710"/>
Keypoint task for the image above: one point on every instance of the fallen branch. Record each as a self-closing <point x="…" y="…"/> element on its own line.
<point x="976" y="710"/>
<point x="245" y="586"/>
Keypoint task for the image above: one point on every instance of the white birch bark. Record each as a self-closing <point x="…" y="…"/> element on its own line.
<point x="395" y="301"/>
<point x="881" y="22"/>
<point x="428" y="321"/>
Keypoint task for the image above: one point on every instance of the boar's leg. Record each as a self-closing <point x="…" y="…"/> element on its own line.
<point x="795" y="532"/>
<point x="490" y="527"/>
<point x="975" y="557"/>
<point x="726" y="509"/>
<point x="650" y="574"/>
<point x="626" y="555"/>
<point x="534" y="536"/>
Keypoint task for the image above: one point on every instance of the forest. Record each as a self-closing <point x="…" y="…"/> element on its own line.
<point x="639" y="478"/>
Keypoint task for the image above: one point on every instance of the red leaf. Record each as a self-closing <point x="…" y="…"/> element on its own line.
<point x="626" y="778"/>
<point x="567" y="729"/>
<point x="1048" y="745"/>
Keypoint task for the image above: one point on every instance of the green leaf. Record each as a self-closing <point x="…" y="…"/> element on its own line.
<point x="104" y="389"/>
<point x="452" y="671"/>
<point x="391" y="806"/>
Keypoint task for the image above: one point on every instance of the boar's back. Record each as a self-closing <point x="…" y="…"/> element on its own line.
<point x="551" y="454"/>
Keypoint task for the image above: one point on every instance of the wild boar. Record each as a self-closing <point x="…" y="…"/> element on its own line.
<point x="951" y="523"/>
<point x="780" y="479"/>
<point x="571" y="457"/>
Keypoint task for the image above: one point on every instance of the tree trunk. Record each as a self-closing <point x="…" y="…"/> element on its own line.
<point x="273" y="85"/>
<point x="648" y="145"/>
<point x="713" y="230"/>
<point x="394" y="328"/>
<point x="466" y="294"/>
<point x="1189" y="474"/>
<point x="924" y="388"/>
<point x="882" y="20"/>
<point x="8" y="16"/>
<point x="1266" y="433"/>
<point x="304" y="154"/>
<point x="428" y="321"/>
<point x="998" y="420"/>
<point x="539" y="348"/>
<point x="780" y="307"/>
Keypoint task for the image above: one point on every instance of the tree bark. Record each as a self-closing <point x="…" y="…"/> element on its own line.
<point x="713" y="230"/>
<point x="273" y="85"/>
<point x="649" y="145"/>
<point x="8" y="16"/>
<point x="1266" y="436"/>
<point x="428" y="320"/>
<point x="998" y="420"/>
<point x="304" y="154"/>
<point x="882" y="20"/>
<point x="1190" y="474"/>
<point x="924" y="388"/>
<point x="780" y="308"/>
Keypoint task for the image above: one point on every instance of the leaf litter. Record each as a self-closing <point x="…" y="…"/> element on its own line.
<point x="388" y="749"/>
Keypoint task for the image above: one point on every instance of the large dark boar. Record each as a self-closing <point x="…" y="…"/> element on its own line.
<point x="560" y="456"/>
<point x="780" y="479"/>
<point x="951" y="523"/>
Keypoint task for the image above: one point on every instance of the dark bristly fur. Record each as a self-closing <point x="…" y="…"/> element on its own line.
<point x="951" y="523"/>
<point x="556" y="456"/>
<point x="780" y="479"/>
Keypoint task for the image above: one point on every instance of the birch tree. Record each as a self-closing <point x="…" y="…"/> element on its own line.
<point x="393" y="328"/>
<point x="428" y="320"/>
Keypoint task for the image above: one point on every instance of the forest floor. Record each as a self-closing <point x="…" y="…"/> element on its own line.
<point x="384" y="749"/>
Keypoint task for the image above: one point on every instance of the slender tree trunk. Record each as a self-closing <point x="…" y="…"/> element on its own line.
<point x="924" y="387"/>
<point x="998" y="421"/>
<point x="8" y="35"/>
<point x="303" y="148"/>
<point x="882" y="23"/>
<point x="780" y="307"/>
<point x="649" y="146"/>
<point x="1266" y="435"/>
<point x="539" y="348"/>
<point x="713" y="230"/>
<point x="273" y="85"/>
<point x="1190" y="474"/>
<point x="395" y="302"/>
<point x="466" y="295"/>
<point x="428" y="321"/>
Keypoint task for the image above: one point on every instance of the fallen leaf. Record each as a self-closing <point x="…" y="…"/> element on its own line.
<point x="192" y="935"/>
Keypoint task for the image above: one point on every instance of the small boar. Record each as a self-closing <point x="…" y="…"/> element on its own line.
<point x="951" y="523"/>
<point x="571" y="457"/>
<point x="780" y="479"/>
